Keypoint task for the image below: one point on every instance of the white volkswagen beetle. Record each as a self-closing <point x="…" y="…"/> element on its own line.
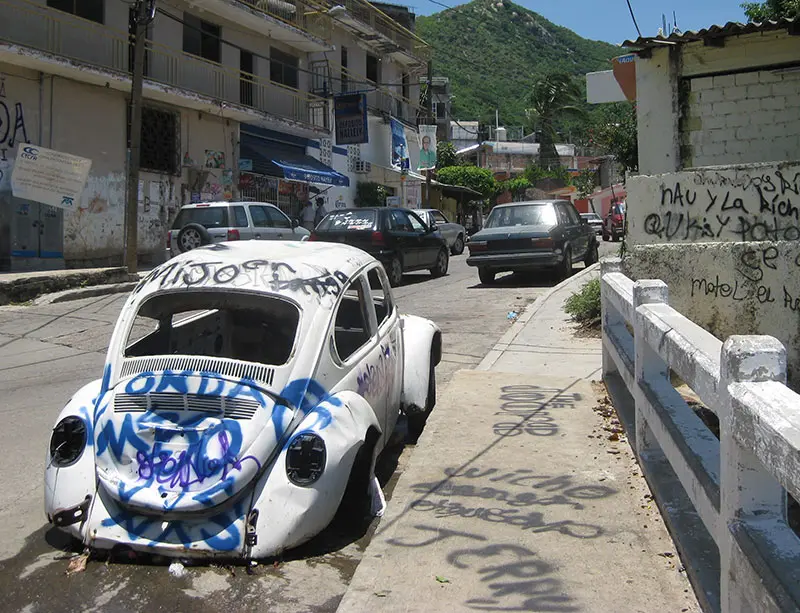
<point x="248" y="387"/>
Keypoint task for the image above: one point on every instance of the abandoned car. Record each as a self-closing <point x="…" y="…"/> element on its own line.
<point x="247" y="391"/>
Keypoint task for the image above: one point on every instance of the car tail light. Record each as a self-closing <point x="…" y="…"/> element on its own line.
<point x="542" y="243"/>
<point x="233" y="235"/>
<point x="475" y="246"/>
<point x="313" y="237"/>
<point x="378" y="240"/>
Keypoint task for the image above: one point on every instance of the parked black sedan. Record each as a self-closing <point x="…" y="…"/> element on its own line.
<point x="528" y="236"/>
<point x="397" y="237"/>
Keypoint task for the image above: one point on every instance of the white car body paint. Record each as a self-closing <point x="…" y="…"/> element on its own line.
<point x="184" y="442"/>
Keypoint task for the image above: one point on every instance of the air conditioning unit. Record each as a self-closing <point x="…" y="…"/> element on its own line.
<point x="361" y="167"/>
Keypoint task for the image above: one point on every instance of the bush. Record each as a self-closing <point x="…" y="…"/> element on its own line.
<point x="584" y="306"/>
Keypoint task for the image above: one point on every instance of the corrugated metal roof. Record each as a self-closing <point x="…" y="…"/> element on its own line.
<point x="732" y="28"/>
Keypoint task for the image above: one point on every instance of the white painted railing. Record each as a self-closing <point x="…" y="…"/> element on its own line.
<point x="724" y="499"/>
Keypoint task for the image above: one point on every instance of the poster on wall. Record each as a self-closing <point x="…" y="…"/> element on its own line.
<point x="350" y="115"/>
<point x="215" y="159"/>
<point x="427" y="147"/>
<point x="400" y="160"/>
<point x="50" y="177"/>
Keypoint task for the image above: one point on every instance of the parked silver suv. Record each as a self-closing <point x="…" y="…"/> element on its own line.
<point x="214" y="222"/>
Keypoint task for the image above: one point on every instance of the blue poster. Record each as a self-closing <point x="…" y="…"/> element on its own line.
<point x="400" y="159"/>
<point x="350" y="113"/>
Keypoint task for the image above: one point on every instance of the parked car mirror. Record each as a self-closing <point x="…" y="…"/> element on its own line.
<point x="295" y="223"/>
<point x="433" y="228"/>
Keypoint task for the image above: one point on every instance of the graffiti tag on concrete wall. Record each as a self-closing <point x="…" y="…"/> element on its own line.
<point x="717" y="206"/>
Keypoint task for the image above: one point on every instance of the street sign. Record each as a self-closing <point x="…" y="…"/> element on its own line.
<point x="350" y="113"/>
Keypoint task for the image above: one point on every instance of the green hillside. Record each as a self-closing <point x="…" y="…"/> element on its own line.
<point x="493" y="52"/>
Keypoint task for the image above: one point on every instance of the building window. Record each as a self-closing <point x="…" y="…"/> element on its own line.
<point x="373" y="71"/>
<point x="406" y="86"/>
<point x="160" y="140"/>
<point x="88" y="9"/>
<point x="441" y="110"/>
<point x="201" y="38"/>
<point x="282" y="68"/>
<point x="344" y="69"/>
<point x="247" y="78"/>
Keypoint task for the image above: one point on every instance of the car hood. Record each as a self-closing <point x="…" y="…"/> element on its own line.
<point x="491" y="234"/>
<point x="179" y="442"/>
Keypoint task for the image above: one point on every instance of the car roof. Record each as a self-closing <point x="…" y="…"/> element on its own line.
<point x="511" y="204"/>
<point x="302" y="271"/>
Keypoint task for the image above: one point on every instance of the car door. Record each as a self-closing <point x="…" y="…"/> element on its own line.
<point x="573" y="230"/>
<point x="389" y="341"/>
<point x="449" y="230"/>
<point x="429" y="243"/>
<point x="403" y="238"/>
<point x="281" y="224"/>
<point x="262" y="223"/>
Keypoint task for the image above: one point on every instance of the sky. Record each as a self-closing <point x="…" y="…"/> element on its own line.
<point x="609" y="20"/>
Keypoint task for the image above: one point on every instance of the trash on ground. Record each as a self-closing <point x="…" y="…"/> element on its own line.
<point x="512" y="315"/>
<point x="441" y="579"/>
<point x="177" y="570"/>
<point x="77" y="564"/>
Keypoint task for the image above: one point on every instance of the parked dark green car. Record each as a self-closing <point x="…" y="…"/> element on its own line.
<point x="530" y="236"/>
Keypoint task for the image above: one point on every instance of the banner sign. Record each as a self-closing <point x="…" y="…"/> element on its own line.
<point x="350" y="114"/>
<point x="427" y="147"/>
<point x="400" y="161"/>
<point x="49" y="177"/>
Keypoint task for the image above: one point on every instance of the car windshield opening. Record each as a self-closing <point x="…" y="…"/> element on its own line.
<point x="208" y="217"/>
<point x="235" y="325"/>
<point x="341" y="221"/>
<point x="522" y="215"/>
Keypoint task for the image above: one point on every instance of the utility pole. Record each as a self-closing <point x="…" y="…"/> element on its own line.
<point x="429" y="113"/>
<point x="144" y="12"/>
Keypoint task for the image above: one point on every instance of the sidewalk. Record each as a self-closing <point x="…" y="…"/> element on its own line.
<point x="64" y="284"/>
<point x="515" y="499"/>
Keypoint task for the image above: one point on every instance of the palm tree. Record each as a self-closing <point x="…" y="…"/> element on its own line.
<point x="553" y="98"/>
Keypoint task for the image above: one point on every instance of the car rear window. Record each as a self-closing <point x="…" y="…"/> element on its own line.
<point x="344" y="221"/>
<point x="208" y="217"/>
<point x="522" y="215"/>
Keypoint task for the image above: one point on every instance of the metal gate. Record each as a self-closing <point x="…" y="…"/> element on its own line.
<point x="37" y="231"/>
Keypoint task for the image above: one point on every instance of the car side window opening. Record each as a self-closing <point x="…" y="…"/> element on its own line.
<point x="416" y="223"/>
<point x="351" y="329"/>
<point x="260" y="217"/>
<point x="563" y="215"/>
<point x="278" y="219"/>
<point x="240" y="217"/>
<point x="381" y="296"/>
<point x="438" y="217"/>
<point x="573" y="214"/>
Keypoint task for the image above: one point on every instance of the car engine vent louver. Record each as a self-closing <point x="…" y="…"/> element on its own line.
<point x="226" y="368"/>
<point x="220" y="406"/>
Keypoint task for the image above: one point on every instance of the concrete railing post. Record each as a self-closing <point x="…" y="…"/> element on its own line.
<point x="609" y="315"/>
<point x="747" y="489"/>
<point x="649" y="366"/>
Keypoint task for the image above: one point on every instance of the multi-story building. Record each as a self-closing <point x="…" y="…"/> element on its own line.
<point x="237" y="104"/>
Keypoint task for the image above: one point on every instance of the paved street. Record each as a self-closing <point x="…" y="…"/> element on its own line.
<point x="47" y="352"/>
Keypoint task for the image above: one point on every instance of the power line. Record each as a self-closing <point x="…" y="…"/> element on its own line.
<point x="630" y="8"/>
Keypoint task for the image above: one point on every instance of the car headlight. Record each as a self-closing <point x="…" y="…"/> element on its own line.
<point x="67" y="441"/>
<point x="305" y="459"/>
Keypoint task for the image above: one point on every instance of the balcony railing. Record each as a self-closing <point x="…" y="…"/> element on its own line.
<point x="387" y="27"/>
<point x="78" y="39"/>
<point x="296" y="14"/>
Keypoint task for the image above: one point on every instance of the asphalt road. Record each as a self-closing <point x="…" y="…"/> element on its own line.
<point x="48" y="352"/>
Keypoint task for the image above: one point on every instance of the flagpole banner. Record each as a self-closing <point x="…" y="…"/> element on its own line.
<point x="400" y="160"/>
<point x="427" y="147"/>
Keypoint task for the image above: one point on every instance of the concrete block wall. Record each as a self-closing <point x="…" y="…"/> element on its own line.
<point x="740" y="118"/>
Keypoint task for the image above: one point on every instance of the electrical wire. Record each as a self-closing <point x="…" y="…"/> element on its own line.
<point x="630" y="8"/>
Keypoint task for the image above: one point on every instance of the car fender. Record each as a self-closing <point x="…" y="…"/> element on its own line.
<point x="68" y="487"/>
<point x="290" y="515"/>
<point x="422" y="342"/>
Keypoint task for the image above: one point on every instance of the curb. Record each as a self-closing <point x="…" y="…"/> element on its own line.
<point x="514" y="331"/>
<point x="85" y="292"/>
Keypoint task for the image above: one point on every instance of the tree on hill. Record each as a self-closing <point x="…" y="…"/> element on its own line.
<point x="771" y="9"/>
<point x="554" y="97"/>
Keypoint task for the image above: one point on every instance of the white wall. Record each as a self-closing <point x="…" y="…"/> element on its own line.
<point x="727" y="242"/>
<point x="746" y="117"/>
<point x="657" y="113"/>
